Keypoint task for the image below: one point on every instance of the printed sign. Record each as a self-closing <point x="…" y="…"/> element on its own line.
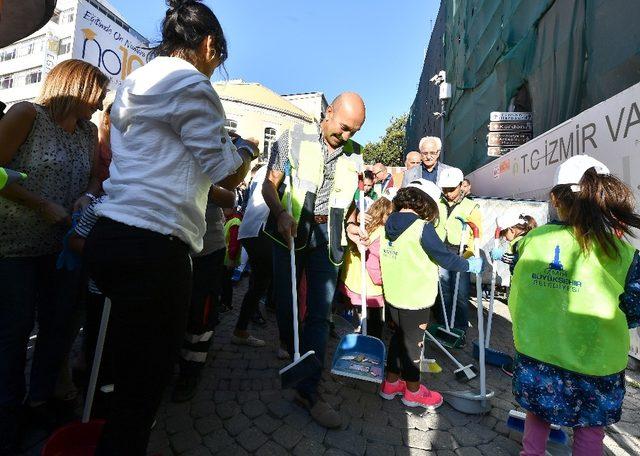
<point x="52" y="45"/>
<point x="497" y="116"/>
<point x="510" y="126"/>
<point x="508" y="139"/>
<point x="105" y="44"/>
<point x="498" y="151"/>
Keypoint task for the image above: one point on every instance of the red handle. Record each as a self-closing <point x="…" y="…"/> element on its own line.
<point x="474" y="228"/>
<point x="496" y="235"/>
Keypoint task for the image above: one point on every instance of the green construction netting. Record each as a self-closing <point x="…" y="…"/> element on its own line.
<point x="570" y="54"/>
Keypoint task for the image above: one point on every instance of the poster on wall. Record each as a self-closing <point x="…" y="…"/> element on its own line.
<point x="100" y="41"/>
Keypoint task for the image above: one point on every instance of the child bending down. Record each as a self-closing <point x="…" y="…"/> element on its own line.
<point x="575" y="293"/>
<point x="410" y="255"/>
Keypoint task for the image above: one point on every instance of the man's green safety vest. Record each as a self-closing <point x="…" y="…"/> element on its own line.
<point x="307" y="161"/>
<point x="565" y="305"/>
<point x="227" y="235"/>
<point x="409" y="276"/>
<point x="453" y="226"/>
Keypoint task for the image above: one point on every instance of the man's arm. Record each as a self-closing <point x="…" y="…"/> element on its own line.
<point x="287" y="226"/>
<point x="222" y="197"/>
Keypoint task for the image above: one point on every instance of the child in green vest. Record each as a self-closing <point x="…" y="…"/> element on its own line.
<point x="513" y="227"/>
<point x="575" y="293"/>
<point x="231" y="257"/>
<point x="409" y="256"/>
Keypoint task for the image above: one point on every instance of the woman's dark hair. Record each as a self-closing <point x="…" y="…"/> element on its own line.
<point x="368" y="174"/>
<point x="529" y="224"/>
<point x="185" y="25"/>
<point x="601" y="210"/>
<point x="418" y="201"/>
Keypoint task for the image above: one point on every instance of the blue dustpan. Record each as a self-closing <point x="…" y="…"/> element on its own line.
<point x="361" y="357"/>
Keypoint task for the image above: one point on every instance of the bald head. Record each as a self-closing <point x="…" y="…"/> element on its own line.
<point x="413" y="159"/>
<point x="344" y="118"/>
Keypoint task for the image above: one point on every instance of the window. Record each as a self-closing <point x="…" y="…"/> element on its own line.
<point x="269" y="139"/>
<point x="56" y="17"/>
<point x="231" y="125"/>
<point x="26" y="49"/>
<point x="6" y="82"/>
<point x="7" y="54"/>
<point x="33" y="77"/>
<point x="65" y="46"/>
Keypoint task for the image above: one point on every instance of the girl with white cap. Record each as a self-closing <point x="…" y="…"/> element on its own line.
<point x="513" y="227"/>
<point x="409" y="256"/>
<point x="575" y="292"/>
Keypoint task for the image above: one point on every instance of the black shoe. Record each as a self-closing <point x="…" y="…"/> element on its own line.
<point x="186" y="388"/>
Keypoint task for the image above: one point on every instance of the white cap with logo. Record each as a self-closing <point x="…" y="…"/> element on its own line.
<point x="450" y="177"/>
<point x="428" y="187"/>
<point x="509" y="219"/>
<point x="572" y="170"/>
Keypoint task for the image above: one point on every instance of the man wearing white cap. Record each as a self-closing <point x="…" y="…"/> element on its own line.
<point x="455" y="210"/>
<point x="430" y="168"/>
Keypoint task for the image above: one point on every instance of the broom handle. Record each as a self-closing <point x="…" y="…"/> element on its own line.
<point x="481" y="361"/>
<point x="97" y="359"/>
<point x="441" y="347"/>
<point x="454" y="305"/>
<point x="363" y="268"/>
<point x="444" y="308"/>
<point x="494" y="266"/>
<point x="294" y="284"/>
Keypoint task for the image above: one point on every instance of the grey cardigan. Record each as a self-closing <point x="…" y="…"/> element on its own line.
<point x="416" y="173"/>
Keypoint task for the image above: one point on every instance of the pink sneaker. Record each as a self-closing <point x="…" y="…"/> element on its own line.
<point x="422" y="398"/>
<point x="390" y="390"/>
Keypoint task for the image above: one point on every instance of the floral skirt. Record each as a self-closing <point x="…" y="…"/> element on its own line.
<point x="567" y="398"/>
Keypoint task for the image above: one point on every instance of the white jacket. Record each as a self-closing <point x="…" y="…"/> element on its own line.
<point x="169" y="145"/>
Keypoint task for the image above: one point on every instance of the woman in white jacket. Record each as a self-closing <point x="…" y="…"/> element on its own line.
<point x="169" y="146"/>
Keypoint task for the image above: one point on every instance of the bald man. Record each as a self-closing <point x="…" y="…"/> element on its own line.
<point x="323" y="207"/>
<point x="413" y="159"/>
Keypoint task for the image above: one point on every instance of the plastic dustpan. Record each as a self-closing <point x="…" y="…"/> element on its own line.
<point x="81" y="438"/>
<point x="469" y="402"/>
<point x="75" y="439"/>
<point x="358" y="355"/>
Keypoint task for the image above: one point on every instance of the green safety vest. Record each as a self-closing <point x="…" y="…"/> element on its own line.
<point x="351" y="273"/>
<point x="227" y="237"/>
<point x="307" y="161"/>
<point x="409" y="276"/>
<point x="565" y="305"/>
<point x="453" y="226"/>
<point x="441" y="223"/>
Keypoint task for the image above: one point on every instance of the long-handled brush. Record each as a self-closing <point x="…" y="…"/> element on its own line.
<point x="462" y="373"/>
<point x="516" y="422"/>
<point x="308" y="364"/>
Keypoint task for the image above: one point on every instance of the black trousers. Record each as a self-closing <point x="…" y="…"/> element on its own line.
<point x="260" y="251"/>
<point x="226" y="287"/>
<point x="403" y="346"/>
<point x="147" y="276"/>
<point x="203" y="312"/>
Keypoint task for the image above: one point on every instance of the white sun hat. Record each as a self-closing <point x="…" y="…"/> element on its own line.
<point x="509" y="219"/>
<point x="428" y="187"/>
<point x="572" y="170"/>
<point x="450" y="177"/>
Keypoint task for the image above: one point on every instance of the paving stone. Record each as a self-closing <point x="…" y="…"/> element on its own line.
<point x="298" y="418"/>
<point x="287" y="436"/>
<point x="510" y="446"/>
<point x="248" y="396"/>
<point x="251" y="439"/>
<point x="254" y="408"/>
<point x="173" y="408"/>
<point x="270" y="395"/>
<point x="208" y="424"/>
<point x="379" y="449"/>
<point x="224" y="396"/>
<point x="353" y="408"/>
<point x="185" y="440"/>
<point x="237" y="424"/>
<point x="346" y="441"/>
<point x="427" y="440"/>
<point x="267" y="424"/>
<point x="377" y="417"/>
<point x="468" y="451"/>
<point x="177" y="423"/>
<point x="280" y="407"/>
<point x="335" y="452"/>
<point x="309" y="447"/>
<point x="198" y="451"/>
<point x="382" y="434"/>
<point x="355" y="425"/>
<point x="202" y="408"/>
<point x="232" y="450"/>
<point x="227" y="410"/>
<point x="272" y="449"/>
<point x="406" y="451"/>
<point x="314" y="431"/>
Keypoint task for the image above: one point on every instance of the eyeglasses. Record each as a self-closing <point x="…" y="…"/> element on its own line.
<point x="430" y="153"/>
<point x="375" y="173"/>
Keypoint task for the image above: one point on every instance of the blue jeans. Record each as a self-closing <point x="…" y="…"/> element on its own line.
<point x="33" y="286"/>
<point x="322" y="277"/>
<point x="448" y="281"/>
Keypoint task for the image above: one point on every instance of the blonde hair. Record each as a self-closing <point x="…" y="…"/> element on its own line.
<point x="379" y="211"/>
<point x="70" y="85"/>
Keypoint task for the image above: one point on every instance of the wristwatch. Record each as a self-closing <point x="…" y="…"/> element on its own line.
<point x="242" y="144"/>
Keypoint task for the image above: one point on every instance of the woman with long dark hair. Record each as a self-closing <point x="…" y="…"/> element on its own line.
<point x="169" y="146"/>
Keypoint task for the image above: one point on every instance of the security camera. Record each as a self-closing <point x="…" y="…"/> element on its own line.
<point x="439" y="78"/>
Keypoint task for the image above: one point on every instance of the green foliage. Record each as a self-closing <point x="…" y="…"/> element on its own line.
<point x="389" y="149"/>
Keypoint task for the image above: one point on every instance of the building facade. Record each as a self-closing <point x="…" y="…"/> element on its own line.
<point x="254" y="111"/>
<point x="24" y="64"/>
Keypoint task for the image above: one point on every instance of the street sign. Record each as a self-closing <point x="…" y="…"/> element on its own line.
<point x="510" y="126"/>
<point x="497" y="116"/>
<point x="508" y="139"/>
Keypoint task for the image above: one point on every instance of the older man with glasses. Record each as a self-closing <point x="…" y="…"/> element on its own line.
<point x="383" y="179"/>
<point x="430" y="167"/>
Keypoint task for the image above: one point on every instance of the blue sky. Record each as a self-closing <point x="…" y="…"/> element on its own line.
<point x="374" y="47"/>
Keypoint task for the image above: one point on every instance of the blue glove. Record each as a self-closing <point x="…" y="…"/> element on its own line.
<point x="497" y="253"/>
<point x="475" y="265"/>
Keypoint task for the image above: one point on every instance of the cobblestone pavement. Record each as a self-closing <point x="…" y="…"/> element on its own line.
<point x="240" y="409"/>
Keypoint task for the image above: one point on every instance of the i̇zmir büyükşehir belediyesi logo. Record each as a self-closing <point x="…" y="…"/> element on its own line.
<point x="556" y="276"/>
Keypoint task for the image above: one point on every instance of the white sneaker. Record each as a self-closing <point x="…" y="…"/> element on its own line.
<point x="250" y="341"/>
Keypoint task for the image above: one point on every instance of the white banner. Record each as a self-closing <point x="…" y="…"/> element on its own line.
<point x="105" y="44"/>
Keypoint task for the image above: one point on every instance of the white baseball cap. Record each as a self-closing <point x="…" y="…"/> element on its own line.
<point x="428" y="187"/>
<point x="450" y="177"/>
<point x="390" y="193"/>
<point x="572" y="170"/>
<point x="509" y="219"/>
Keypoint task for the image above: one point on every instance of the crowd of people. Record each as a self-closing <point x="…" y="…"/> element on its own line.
<point x="142" y="207"/>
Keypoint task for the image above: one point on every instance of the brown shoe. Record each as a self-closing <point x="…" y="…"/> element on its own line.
<point x="320" y="411"/>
